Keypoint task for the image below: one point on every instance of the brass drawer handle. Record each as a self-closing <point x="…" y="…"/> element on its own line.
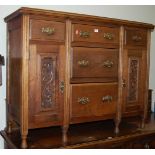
<point x="83" y="63"/>
<point x="62" y="87"/>
<point x="107" y="98"/>
<point x="136" y="38"/>
<point x="48" y="30"/>
<point x="108" y="63"/>
<point x="83" y="100"/>
<point x="84" y="34"/>
<point x="108" y="36"/>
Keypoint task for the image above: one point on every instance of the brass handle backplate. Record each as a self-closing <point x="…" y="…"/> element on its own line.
<point x="107" y="98"/>
<point x="108" y="63"/>
<point x="108" y="36"/>
<point x="62" y="87"/>
<point x="83" y="100"/>
<point x="83" y="63"/>
<point x="84" y="34"/>
<point x="48" y="30"/>
<point x="136" y="38"/>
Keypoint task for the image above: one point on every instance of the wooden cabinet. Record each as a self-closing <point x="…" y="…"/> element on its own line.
<point x="45" y="99"/>
<point x="67" y="68"/>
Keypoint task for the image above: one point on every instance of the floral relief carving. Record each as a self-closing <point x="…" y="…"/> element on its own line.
<point x="47" y="82"/>
<point x="133" y="79"/>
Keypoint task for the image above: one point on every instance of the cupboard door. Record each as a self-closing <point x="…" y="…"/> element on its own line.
<point x="45" y="97"/>
<point x="133" y="80"/>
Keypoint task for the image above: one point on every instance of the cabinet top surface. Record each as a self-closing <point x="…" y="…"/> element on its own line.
<point x="75" y="16"/>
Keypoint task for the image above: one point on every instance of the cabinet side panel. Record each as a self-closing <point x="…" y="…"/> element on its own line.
<point x="14" y="68"/>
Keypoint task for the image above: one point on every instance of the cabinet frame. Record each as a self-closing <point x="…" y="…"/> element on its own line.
<point x="20" y="53"/>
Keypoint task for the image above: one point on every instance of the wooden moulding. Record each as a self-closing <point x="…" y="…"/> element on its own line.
<point x="74" y="16"/>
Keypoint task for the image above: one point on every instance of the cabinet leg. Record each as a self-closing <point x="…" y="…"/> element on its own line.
<point x="9" y="127"/>
<point x="117" y="123"/>
<point x="24" y="142"/>
<point x="142" y="123"/>
<point x="64" y="134"/>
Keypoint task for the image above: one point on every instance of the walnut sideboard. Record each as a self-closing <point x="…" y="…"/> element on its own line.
<point x="65" y="68"/>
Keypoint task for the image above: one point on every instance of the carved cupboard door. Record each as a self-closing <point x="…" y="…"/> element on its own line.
<point x="134" y="75"/>
<point x="46" y="82"/>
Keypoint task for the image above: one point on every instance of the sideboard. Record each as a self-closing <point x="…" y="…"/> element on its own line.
<point x="65" y="68"/>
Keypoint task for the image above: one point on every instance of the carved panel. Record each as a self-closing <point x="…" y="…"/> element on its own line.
<point x="47" y="82"/>
<point x="133" y="79"/>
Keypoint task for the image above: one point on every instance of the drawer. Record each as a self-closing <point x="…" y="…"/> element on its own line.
<point x="95" y="34"/>
<point x="93" y="100"/>
<point x="47" y="30"/>
<point x="94" y="63"/>
<point x="135" y="37"/>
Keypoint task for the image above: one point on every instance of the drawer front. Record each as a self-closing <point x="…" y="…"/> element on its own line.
<point x="94" y="34"/>
<point x="47" y="30"/>
<point x="89" y="100"/>
<point x="94" y="63"/>
<point x="135" y="37"/>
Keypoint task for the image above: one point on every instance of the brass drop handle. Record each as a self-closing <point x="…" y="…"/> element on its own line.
<point x="136" y="38"/>
<point x="83" y="100"/>
<point x="108" y="36"/>
<point x="123" y="83"/>
<point x="48" y="30"/>
<point x="83" y="63"/>
<point x="84" y="34"/>
<point x="108" y="63"/>
<point x="62" y="87"/>
<point x="107" y="98"/>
